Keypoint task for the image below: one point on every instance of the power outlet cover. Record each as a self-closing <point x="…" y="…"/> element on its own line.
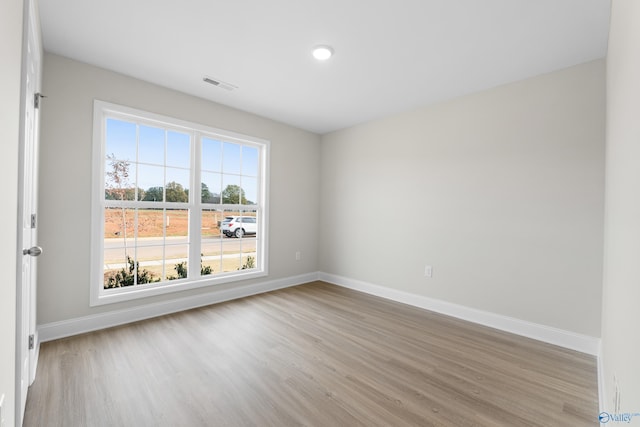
<point x="428" y="271"/>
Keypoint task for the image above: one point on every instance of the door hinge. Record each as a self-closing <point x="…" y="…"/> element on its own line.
<point x="36" y="99"/>
<point x="33" y="220"/>
<point x="31" y="342"/>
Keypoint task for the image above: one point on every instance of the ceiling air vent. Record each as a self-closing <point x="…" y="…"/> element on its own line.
<point x="219" y="83"/>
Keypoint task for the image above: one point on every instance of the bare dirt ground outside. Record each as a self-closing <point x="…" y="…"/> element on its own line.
<point x="151" y="222"/>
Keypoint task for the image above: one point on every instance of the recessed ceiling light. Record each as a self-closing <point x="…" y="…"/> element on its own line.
<point x="322" y="53"/>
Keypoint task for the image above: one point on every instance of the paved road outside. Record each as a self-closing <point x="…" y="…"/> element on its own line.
<point x="151" y="251"/>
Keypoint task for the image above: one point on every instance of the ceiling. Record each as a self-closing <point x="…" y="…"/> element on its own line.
<point x="390" y="55"/>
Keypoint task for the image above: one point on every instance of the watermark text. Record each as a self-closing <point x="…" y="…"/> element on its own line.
<point x="625" y="417"/>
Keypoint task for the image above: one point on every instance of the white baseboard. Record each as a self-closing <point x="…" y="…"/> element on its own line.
<point x="559" y="337"/>
<point x="66" y="328"/>
<point x="567" y="339"/>
<point x="601" y="381"/>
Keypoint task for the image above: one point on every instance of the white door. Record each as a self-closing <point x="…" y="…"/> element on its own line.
<point x="26" y="315"/>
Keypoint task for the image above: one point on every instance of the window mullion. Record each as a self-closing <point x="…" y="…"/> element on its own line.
<point x="195" y="210"/>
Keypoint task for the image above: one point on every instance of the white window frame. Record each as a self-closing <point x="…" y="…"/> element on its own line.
<point x="98" y="294"/>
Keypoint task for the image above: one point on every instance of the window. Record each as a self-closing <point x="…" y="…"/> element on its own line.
<point x="176" y="205"/>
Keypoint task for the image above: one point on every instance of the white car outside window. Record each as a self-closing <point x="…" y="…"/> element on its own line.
<point x="238" y="226"/>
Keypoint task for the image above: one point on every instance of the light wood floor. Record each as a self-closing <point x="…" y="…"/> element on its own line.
<point x="316" y="355"/>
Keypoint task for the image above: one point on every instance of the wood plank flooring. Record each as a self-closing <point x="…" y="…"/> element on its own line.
<point x="313" y="355"/>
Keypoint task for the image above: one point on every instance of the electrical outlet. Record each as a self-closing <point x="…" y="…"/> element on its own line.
<point x="298" y="255"/>
<point x="428" y="271"/>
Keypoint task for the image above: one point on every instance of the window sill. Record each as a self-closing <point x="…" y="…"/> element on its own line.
<point x="110" y="296"/>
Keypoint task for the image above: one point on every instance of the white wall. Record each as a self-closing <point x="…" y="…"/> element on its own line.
<point x="621" y="292"/>
<point x="500" y="191"/>
<point x="11" y="13"/>
<point x="65" y="177"/>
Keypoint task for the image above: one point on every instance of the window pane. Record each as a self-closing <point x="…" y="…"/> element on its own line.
<point x="251" y="228"/>
<point x="177" y="188"/>
<point x="144" y="247"/>
<point x="231" y="190"/>
<point x="153" y="194"/>
<point x="176" y="262"/>
<point x="150" y="247"/>
<point x="119" y="223"/>
<point x="118" y="246"/>
<point x="118" y="275"/>
<point x="211" y="250"/>
<point x="211" y="220"/>
<point x="178" y="149"/>
<point x="207" y="266"/>
<point x="248" y="262"/>
<point x="119" y="180"/>
<point x="120" y="140"/>
<point x="239" y="242"/>
<point x="125" y="263"/>
<point x="211" y="155"/>
<point x="210" y="191"/>
<point x="151" y="179"/>
<point x="110" y="280"/>
<point x="250" y="189"/>
<point x="151" y="145"/>
<point x="230" y="260"/>
<point x="231" y="158"/>
<point x="130" y="273"/>
<point x="151" y="223"/>
<point x="150" y="262"/>
<point x="229" y="222"/>
<point x="249" y="245"/>
<point x="249" y="161"/>
<point x="177" y="225"/>
<point x="211" y="242"/>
